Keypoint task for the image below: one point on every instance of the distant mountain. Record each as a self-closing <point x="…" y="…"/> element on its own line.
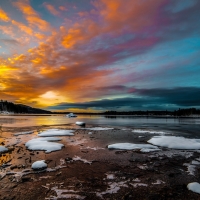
<point x="9" y="107"/>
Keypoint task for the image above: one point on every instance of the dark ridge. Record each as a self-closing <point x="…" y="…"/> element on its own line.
<point x="10" y="107"/>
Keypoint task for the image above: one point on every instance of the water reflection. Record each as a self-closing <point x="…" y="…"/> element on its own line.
<point x="33" y="120"/>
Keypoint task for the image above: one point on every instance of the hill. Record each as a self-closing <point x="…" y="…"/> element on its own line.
<point x="9" y="107"/>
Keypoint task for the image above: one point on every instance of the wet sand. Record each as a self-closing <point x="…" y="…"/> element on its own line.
<point x="86" y="169"/>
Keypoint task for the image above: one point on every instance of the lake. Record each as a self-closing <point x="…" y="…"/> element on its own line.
<point x="180" y="126"/>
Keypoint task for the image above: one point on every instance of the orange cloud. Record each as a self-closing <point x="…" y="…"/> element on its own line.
<point x="23" y="27"/>
<point x="3" y="16"/>
<point x="51" y="9"/>
<point x="131" y="14"/>
<point x="62" y="8"/>
<point x="32" y="16"/>
<point x="80" y="33"/>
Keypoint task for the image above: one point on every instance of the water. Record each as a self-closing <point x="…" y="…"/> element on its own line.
<point x="180" y="126"/>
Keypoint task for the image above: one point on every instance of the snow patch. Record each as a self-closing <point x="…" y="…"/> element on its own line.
<point x="194" y="187"/>
<point x="131" y="146"/>
<point x="93" y="148"/>
<point x="80" y="123"/>
<point x="135" y="185"/>
<point x="24" y="133"/>
<point x="174" y="142"/>
<point x="158" y="182"/>
<point x="98" y="129"/>
<point x="113" y="188"/>
<point x="3" y="149"/>
<point x="41" y="144"/>
<point x="149" y="131"/>
<point x="77" y="158"/>
<point x="56" y="132"/>
<point x="39" y="165"/>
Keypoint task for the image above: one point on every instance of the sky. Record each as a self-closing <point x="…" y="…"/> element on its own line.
<point x="98" y="55"/>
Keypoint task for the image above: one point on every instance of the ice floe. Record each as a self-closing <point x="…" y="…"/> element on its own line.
<point x="149" y="131"/>
<point x="44" y="144"/>
<point x="80" y="123"/>
<point x="131" y="146"/>
<point x="56" y="132"/>
<point x="146" y="150"/>
<point x="194" y="187"/>
<point x="3" y="149"/>
<point x="38" y="165"/>
<point x="98" y="128"/>
<point x="71" y="115"/>
<point x="174" y="142"/>
<point x="24" y="133"/>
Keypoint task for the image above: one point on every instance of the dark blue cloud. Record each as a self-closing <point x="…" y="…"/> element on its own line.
<point x="148" y="99"/>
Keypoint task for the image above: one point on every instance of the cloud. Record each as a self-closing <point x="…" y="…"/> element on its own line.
<point x="146" y="99"/>
<point x="23" y="27"/>
<point x="4" y="16"/>
<point x="32" y="16"/>
<point x="51" y="9"/>
<point x="63" y="8"/>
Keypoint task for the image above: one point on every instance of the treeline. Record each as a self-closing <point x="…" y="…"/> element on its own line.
<point x="139" y="113"/>
<point x="9" y="107"/>
<point x="179" y="112"/>
<point x="186" y="112"/>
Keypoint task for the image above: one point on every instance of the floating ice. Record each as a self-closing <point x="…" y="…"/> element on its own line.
<point x="149" y="131"/>
<point x="24" y="133"/>
<point x="175" y="142"/>
<point x="71" y="115"/>
<point x="56" y="132"/>
<point x="3" y="149"/>
<point x="80" y="123"/>
<point x="39" y="165"/>
<point x="146" y="150"/>
<point x="99" y="129"/>
<point x="131" y="146"/>
<point x="194" y="187"/>
<point x="44" y="144"/>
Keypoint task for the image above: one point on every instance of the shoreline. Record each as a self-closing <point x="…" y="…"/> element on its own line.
<point x="112" y="174"/>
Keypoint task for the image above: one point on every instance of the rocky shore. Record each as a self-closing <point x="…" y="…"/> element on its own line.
<point x="86" y="169"/>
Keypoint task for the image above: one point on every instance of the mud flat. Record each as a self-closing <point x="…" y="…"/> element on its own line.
<point x="97" y="163"/>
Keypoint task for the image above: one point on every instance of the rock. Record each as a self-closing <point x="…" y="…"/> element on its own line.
<point x="59" y="173"/>
<point x="138" y="158"/>
<point x="25" y="179"/>
<point x="84" y="151"/>
<point x="13" y="167"/>
<point x="68" y="159"/>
